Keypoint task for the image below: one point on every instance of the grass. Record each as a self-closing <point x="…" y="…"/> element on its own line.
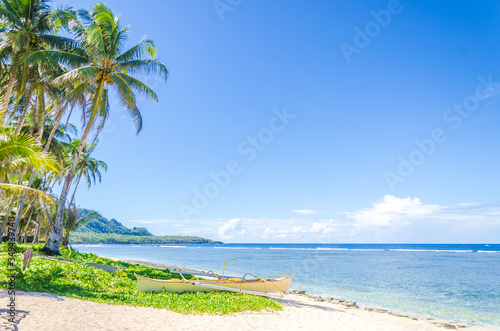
<point x="79" y="281"/>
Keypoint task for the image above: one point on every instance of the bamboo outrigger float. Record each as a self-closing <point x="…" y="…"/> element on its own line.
<point x="257" y="286"/>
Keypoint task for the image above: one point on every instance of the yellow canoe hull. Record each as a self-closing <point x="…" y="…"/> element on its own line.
<point x="145" y="284"/>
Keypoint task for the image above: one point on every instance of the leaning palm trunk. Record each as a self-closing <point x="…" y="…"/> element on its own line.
<point x="35" y="236"/>
<point x="76" y="187"/>
<point x="11" y="205"/>
<point x="25" y="231"/>
<point x="56" y="231"/>
<point x="10" y="87"/>
<point x="41" y="127"/>
<point x="25" y="112"/>
<point x="17" y="131"/>
<point x="47" y="146"/>
<point x="57" y="121"/>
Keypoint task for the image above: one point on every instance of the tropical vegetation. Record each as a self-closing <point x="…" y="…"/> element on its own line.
<point x="113" y="238"/>
<point x="79" y="281"/>
<point x="54" y="64"/>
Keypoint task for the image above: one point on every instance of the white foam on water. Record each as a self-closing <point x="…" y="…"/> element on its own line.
<point x="293" y="249"/>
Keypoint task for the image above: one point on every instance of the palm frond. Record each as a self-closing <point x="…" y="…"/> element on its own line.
<point x="139" y="86"/>
<point x="142" y="66"/>
<point x="135" y="52"/>
<point x="23" y="146"/>
<point x="9" y="13"/>
<point x="20" y="189"/>
<point x="64" y="57"/>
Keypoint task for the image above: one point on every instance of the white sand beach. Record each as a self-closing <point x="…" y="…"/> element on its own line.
<point x="41" y="311"/>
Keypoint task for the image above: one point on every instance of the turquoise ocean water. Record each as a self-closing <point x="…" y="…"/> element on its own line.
<point x="455" y="282"/>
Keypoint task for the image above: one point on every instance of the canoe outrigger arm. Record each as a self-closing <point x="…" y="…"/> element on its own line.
<point x="239" y="290"/>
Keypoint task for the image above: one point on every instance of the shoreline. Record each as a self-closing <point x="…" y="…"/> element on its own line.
<point x="299" y="312"/>
<point x="340" y="303"/>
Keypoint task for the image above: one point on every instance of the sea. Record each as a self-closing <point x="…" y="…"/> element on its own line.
<point x="458" y="283"/>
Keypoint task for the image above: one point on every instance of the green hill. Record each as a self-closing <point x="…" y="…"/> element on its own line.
<point x="100" y="230"/>
<point x="103" y="225"/>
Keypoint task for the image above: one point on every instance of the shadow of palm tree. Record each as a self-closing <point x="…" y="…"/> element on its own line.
<point x="6" y="322"/>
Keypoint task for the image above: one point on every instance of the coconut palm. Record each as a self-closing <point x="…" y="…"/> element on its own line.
<point x="21" y="151"/>
<point x="27" y="26"/>
<point x="97" y="65"/>
<point x="87" y="167"/>
<point x="72" y="221"/>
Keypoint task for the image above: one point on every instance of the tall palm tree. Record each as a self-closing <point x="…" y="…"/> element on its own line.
<point x="87" y="166"/>
<point x="96" y="65"/>
<point x="28" y="25"/>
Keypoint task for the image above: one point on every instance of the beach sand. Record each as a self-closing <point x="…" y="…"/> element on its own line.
<point x="41" y="311"/>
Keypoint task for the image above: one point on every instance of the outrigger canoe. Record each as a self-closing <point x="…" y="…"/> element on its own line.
<point x="257" y="286"/>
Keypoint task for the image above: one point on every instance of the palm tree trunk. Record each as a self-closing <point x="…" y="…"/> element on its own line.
<point x="17" y="131"/>
<point x="11" y="205"/>
<point x="6" y="97"/>
<point x="25" y="112"/>
<point x="35" y="235"/>
<point x="40" y="135"/>
<point x="76" y="187"/>
<point x="45" y="150"/>
<point x="17" y="231"/>
<point x="57" y="120"/>
<point x="53" y="184"/>
<point x="41" y="108"/>
<point x="56" y="232"/>
<point x="26" y="227"/>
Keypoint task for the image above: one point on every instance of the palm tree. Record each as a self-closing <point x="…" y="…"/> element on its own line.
<point x="87" y="166"/>
<point x="72" y="221"/>
<point x="22" y="151"/>
<point x="98" y="64"/>
<point x="28" y="25"/>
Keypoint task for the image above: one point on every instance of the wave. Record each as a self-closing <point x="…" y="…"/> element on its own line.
<point x="429" y="250"/>
<point x="232" y="248"/>
<point x="293" y="249"/>
<point x="382" y="250"/>
<point x="174" y="246"/>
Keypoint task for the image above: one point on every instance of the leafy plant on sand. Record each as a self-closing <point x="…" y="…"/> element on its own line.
<point x="78" y="281"/>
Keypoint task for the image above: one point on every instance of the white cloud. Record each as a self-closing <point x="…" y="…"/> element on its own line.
<point x="305" y="211"/>
<point x="392" y="209"/>
<point x="231" y="228"/>
<point x="391" y="219"/>
<point x="316" y="231"/>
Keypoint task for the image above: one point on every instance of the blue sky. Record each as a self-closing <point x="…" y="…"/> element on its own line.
<point x="311" y="121"/>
